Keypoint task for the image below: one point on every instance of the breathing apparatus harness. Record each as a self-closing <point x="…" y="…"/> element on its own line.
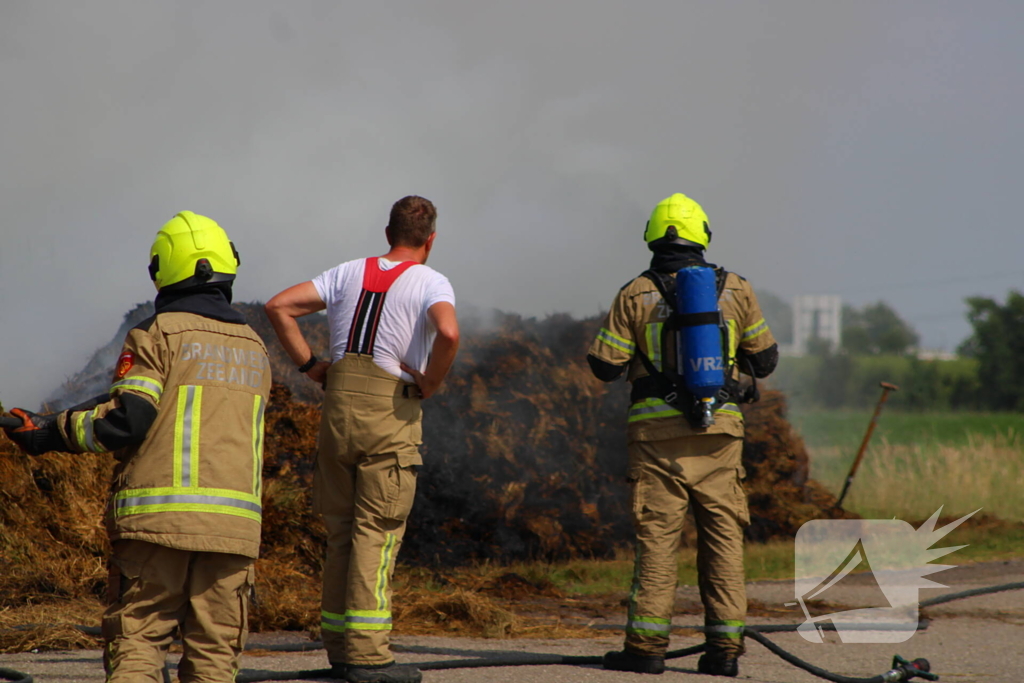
<point x="669" y="384"/>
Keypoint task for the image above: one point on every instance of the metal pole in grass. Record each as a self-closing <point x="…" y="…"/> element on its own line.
<point x="886" y="388"/>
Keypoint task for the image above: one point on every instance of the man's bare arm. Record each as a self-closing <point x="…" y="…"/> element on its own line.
<point x="282" y="310"/>
<point x="442" y="353"/>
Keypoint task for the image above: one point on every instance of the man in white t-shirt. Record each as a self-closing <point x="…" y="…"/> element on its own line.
<point x="394" y="336"/>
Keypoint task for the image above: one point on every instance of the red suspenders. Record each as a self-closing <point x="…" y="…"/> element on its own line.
<point x="376" y="283"/>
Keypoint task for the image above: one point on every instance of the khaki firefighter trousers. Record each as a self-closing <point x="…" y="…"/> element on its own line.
<point x="704" y="473"/>
<point x="155" y="591"/>
<point x="363" y="487"/>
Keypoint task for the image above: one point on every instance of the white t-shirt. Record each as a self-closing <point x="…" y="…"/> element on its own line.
<point x="405" y="333"/>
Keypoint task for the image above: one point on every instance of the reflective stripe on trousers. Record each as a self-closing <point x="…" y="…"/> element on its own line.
<point x="386" y="558"/>
<point x="648" y="626"/>
<point x="357" y="620"/>
<point x="728" y="629"/>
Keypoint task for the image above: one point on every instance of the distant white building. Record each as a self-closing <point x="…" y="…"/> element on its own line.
<point x="816" y="316"/>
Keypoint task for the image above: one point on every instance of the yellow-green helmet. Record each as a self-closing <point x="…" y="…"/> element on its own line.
<point x="191" y="250"/>
<point x="679" y="220"/>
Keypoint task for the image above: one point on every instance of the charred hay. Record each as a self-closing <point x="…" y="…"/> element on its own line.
<point x="524" y="459"/>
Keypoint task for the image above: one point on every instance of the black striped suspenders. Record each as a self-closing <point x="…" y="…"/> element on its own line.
<point x="376" y="283"/>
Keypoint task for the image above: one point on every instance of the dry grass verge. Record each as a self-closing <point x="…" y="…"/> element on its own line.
<point x="911" y="481"/>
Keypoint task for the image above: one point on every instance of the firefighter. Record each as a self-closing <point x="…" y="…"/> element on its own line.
<point x="673" y="461"/>
<point x="184" y="417"/>
<point x="394" y="335"/>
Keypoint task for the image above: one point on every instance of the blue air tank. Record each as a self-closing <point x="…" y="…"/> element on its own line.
<point x="699" y="346"/>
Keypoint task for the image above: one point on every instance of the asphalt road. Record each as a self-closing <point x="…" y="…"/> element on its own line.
<point x="979" y="639"/>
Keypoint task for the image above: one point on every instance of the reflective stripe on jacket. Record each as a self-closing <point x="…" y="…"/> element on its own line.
<point x="195" y="482"/>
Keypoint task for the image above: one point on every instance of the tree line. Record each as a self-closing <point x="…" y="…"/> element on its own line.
<point x="878" y="345"/>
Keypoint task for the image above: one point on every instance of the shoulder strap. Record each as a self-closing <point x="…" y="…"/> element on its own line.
<point x="670" y="383"/>
<point x="721" y="275"/>
<point x="362" y="334"/>
<point x="377" y="280"/>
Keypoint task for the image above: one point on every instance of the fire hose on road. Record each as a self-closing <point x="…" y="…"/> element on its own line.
<point x="901" y="669"/>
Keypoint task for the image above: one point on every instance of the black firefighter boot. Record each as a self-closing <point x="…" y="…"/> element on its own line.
<point x="624" y="660"/>
<point x="719" y="661"/>
<point x="383" y="673"/>
<point x="718" y="665"/>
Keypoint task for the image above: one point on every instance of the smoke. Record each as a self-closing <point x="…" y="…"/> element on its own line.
<point x="835" y="147"/>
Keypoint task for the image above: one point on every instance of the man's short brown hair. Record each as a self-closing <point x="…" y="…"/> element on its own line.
<point x="412" y="221"/>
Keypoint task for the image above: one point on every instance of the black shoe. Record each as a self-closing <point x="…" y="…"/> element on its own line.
<point x="383" y="673"/>
<point x="339" y="671"/>
<point x="719" y="666"/>
<point x="628" y="661"/>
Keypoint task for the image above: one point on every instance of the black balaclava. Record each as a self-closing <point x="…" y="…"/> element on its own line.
<point x="668" y="257"/>
<point x="209" y="300"/>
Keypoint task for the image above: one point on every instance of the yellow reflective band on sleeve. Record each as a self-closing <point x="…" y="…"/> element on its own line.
<point x="380" y="590"/>
<point x="615" y="341"/>
<point x="145" y="385"/>
<point x="654" y="344"/>
<point x="257" y="444"/>
<point x="650" y="408"/>
<point x="178" y="499"/>
<point x="85" y="425"/>
<point x="755" y="330"/>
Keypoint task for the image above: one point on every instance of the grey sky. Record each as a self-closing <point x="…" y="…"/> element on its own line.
<point x="855" y="148"/>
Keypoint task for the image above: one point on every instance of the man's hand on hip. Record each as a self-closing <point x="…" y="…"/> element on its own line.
<point x="426" y="385"/>
<point x="318" y="373"/>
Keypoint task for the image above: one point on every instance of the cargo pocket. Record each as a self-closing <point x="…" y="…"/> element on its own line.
<point x="122" y="587"/>
<point x="246" y="595"/>
<point x="742" y="511"/>
<point x="401" y="492"/>
<point x="637" y="499"/>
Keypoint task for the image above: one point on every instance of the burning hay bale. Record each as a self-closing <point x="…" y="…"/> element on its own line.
<point x="525" y="458"/>
<point x="781" y="494"/>
<point x="525" y="455"/>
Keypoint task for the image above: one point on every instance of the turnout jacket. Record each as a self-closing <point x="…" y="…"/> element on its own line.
<point x="193" y="482"/>
<point x="634" y="324"/>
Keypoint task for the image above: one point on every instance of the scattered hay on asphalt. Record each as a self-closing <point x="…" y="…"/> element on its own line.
<point x="49" y="626"/>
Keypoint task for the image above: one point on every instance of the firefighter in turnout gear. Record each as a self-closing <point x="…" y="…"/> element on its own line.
<point x="674" y="462"/>
<point x="394" y="335"/>
<point x="184" y="417"/>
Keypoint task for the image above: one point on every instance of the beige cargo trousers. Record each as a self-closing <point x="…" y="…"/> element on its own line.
<point x="363" y="487"/>
<point x="155" y="591"/>
<point x="666" y="477"/>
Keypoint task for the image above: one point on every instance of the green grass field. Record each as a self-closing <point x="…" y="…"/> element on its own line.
<point x="845" y="428"/>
